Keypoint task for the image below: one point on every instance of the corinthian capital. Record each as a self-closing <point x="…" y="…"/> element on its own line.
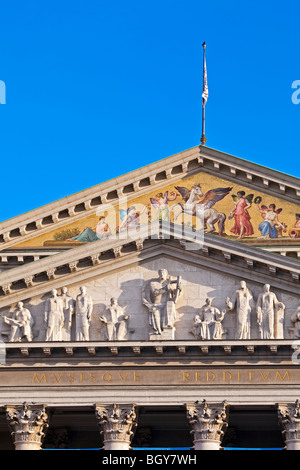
<point x="117" y="425"/>
<point x="26" y="424"/>
<point x="289" y="419"/>
<point x="208" y="423"/>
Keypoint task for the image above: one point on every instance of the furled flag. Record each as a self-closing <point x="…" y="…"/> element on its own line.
<point x="205" y="87"/>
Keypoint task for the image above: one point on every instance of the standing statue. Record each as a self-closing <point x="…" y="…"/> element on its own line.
<point x="115" y="321"/>
<point x="160" y="297"/>
<point x="270" y="314"/>
<point x="243" y="300"/>
<point x="54" y="317"/>
<point x="83" y="311"/>
<point x="295" y="319"/>
<point x="68" y="311"/>
<point x="20" y="324"/>
<point x="207" y="324"/>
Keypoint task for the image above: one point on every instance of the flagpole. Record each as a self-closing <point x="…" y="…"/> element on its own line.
<point x="203" y="139"/>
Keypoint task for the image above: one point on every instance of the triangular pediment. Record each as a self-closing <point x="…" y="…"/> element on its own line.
<point x="61" y="225"/>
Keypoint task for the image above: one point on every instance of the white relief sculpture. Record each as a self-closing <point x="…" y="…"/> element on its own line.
<point x="295" y="319"/>
<point x="160" y="297"/>
<point x="243" y="301"/>
<point x="115" y="321"/>
<point x="54" y="317"/>
<point x="68" y="311"/>
<point x="208" y="324"/>
<point x="270" y="315"/>
<point x="20" y="324"/>
<point x="83" y="312"/>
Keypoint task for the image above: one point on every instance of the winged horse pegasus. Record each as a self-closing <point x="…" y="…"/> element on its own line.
<point x="201" y="205"/>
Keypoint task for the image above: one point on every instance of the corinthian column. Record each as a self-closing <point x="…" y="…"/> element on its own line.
<point x="26" y="424"/>
<point x="117" y="424"/>
<point x="289" y="420"/>
<point x="208" y="423"/>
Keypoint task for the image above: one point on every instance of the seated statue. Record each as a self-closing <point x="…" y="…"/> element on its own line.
<point x="20" y="324"/>
<point x="207" y="325"/>
<point x="115" y="321"/>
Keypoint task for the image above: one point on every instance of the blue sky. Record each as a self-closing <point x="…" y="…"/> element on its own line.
<point x="95" y="89"/>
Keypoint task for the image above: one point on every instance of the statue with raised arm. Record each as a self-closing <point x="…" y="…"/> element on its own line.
<point x="160" y="297"/>
<point x="242" y="299"/>
<point x="20" y="324"/>
<point x="115" y="320"/>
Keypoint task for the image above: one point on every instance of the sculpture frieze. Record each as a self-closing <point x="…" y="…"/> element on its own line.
<point x="258" y="313"/>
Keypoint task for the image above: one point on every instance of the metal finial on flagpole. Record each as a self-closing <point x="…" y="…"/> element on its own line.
<point x="203" y="139"/>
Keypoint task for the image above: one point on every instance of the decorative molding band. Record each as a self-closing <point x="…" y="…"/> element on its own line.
<point x="136" y="349"/>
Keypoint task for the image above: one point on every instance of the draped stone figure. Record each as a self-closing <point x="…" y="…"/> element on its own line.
<point x="115" y="321"/>
<point x="295" y="319"/>
<point x="160" y="297"/>
<point x="243" y="301"/>
<point x="54" y="317"/>
<point x="20" y="324"/>
<point x="83" y="311"/>
<point x="270" y="314"/>
<point x="68" y="311"/>
<point x="207" y="325"/>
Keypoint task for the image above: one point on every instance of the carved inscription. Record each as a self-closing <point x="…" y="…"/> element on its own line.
<point x="190" y="377"/>
<point x="167" y="377"/>
<point x="77" y="378"/>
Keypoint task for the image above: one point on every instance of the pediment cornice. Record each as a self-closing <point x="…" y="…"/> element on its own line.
<point x="155" y="240"/>
<point x="139" y="182"/>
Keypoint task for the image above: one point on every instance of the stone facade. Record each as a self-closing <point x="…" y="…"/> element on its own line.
<point x="125" y="328"/>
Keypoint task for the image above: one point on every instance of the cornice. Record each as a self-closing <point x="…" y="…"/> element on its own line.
<point x="156" y="239"/>
<point x="64" y="352"/>
<point x="138" y="182"/>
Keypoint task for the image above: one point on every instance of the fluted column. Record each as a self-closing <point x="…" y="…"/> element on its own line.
<point x="27" y="424"/>
<point x="117" y="425"/>
<point x="207" y="422"/>
<point x="289" y="420"/>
